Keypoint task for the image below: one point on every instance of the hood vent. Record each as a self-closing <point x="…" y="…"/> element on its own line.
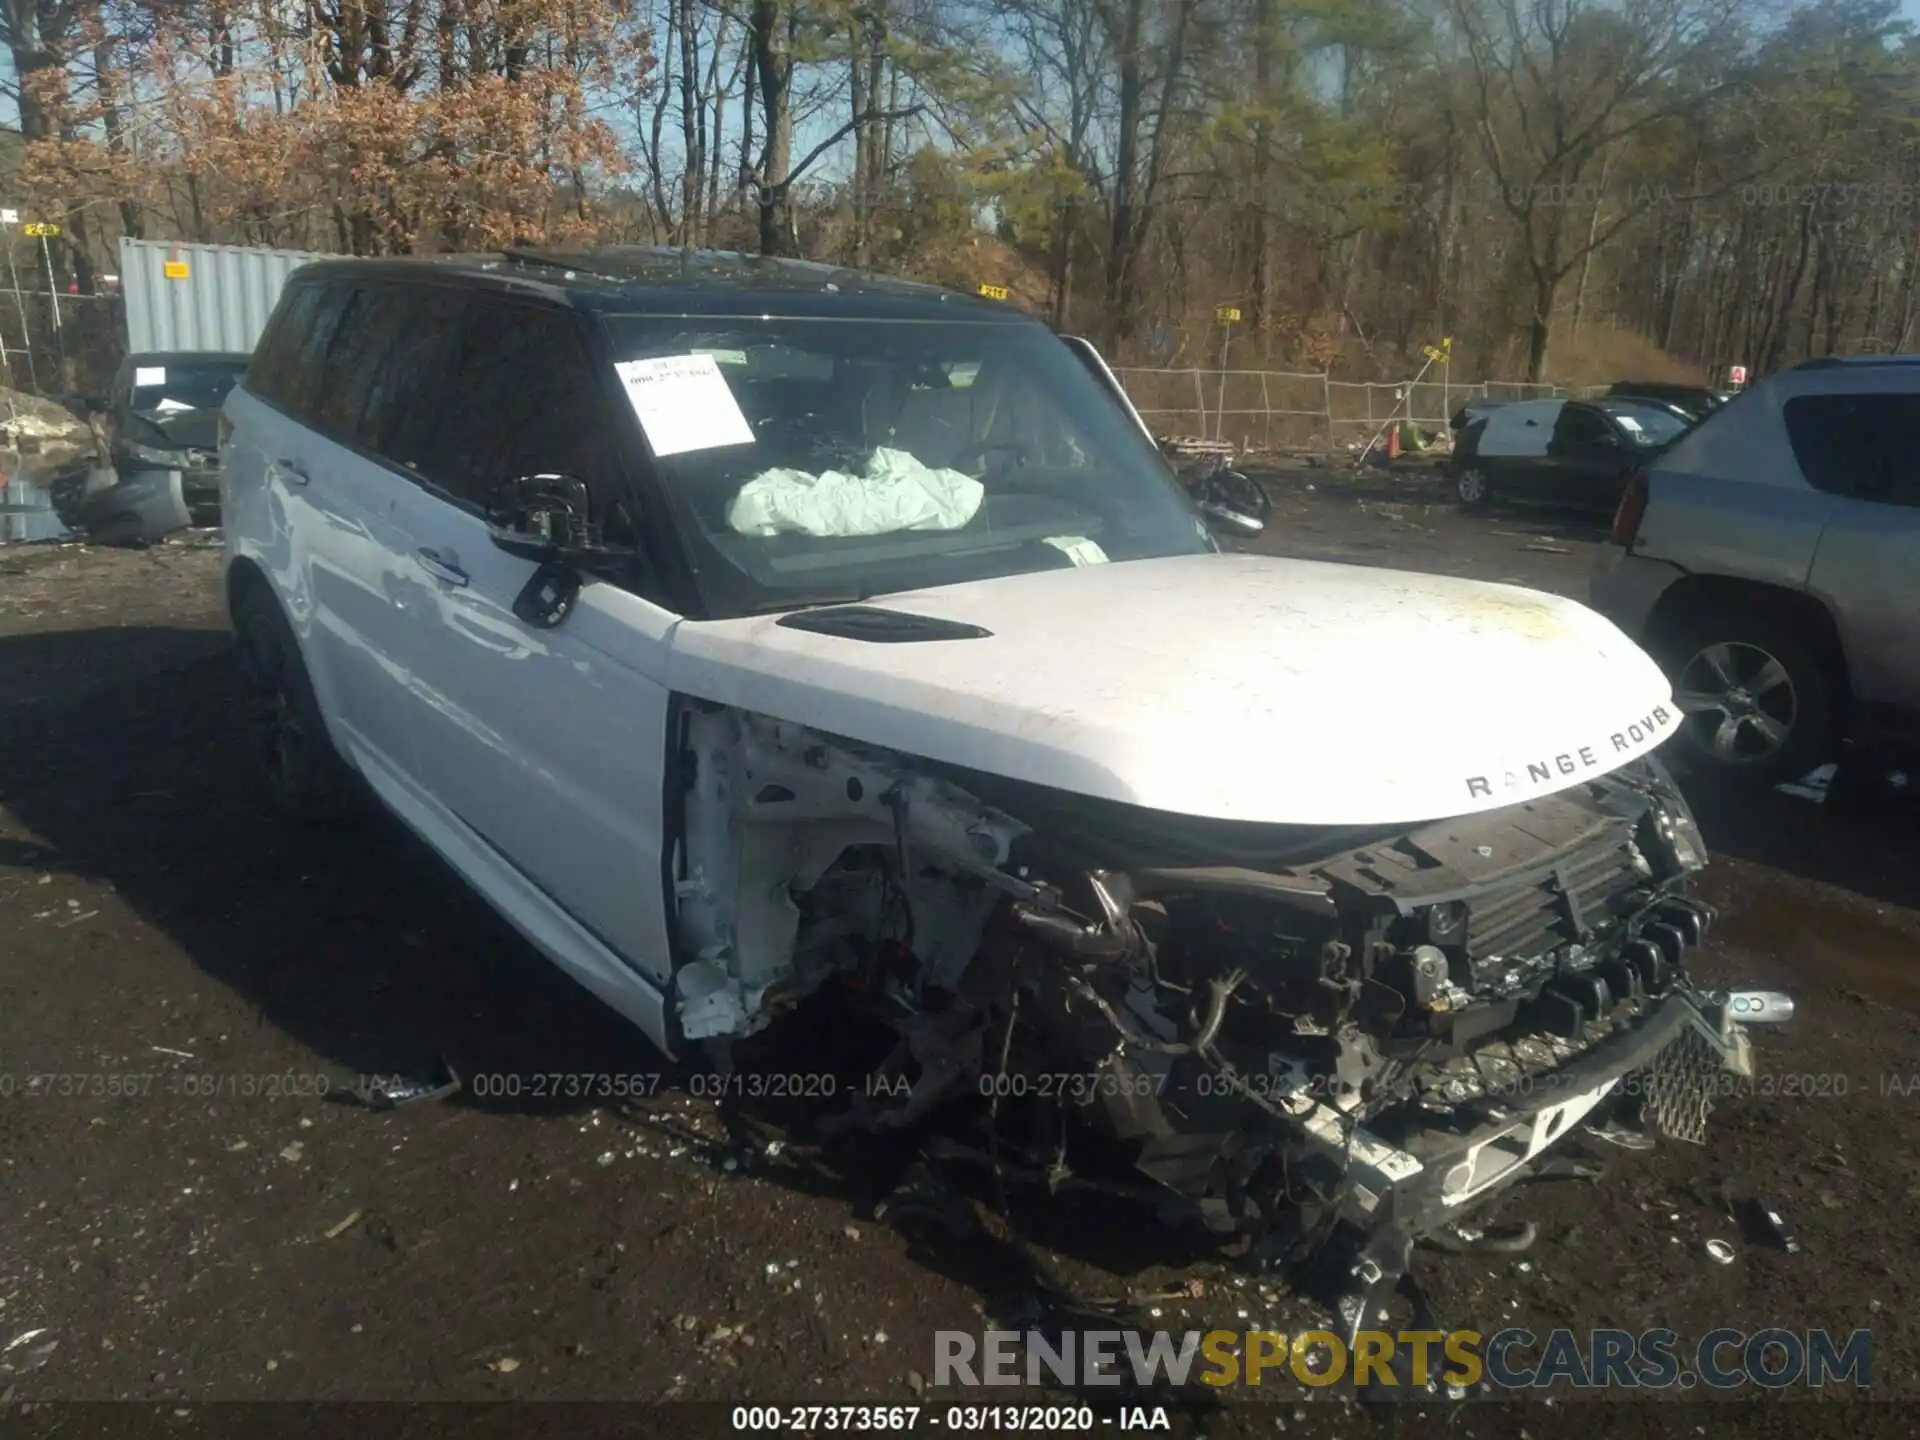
<point x="879" y="627"/>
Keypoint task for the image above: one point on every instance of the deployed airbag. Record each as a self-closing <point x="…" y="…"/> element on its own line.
<point x="895" y="493"/>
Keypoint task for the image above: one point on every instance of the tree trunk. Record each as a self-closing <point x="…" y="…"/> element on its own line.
<point x="692" y="123"/>
<point x="1063" y="247"/>
<point x="1130" y="61"/>
<point x="1258" y="241"/>
<point x="860" y="104"/>
<point x="1783" y="311"/>
<point x="773" y="61"/>
<point x="1586" y="260"/>
<point x="113" y="122"/>
<point x="1546" y="287"/>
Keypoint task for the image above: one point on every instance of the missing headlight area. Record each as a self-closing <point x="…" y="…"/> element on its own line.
<point x="1288" y="1033"/>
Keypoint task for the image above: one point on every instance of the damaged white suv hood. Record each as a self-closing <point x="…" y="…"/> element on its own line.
<point x="1232" y="687"/>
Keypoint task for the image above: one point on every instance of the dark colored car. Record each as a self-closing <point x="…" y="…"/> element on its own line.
<point x="1570" y="454"/>
<point x="163" y="413"/>
<point x="1696" y="401"/>
<point x="159" y="422"/>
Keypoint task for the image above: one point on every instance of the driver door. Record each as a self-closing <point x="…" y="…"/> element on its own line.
<point x="546" y="746"/>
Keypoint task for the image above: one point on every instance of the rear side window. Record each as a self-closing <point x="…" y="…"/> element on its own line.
<point x="287" y="362"/>
<point x="1859" y="446"/>
<point x="522" y="399"/>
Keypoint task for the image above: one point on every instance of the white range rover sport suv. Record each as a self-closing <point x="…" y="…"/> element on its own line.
<point x="767" y="640"/>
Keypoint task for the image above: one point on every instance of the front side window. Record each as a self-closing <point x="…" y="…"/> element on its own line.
<point x="391" y="358"/>
<point x="520" y="399"/>
<point x="811" y="460"/>
<point x="1860" y="446"/>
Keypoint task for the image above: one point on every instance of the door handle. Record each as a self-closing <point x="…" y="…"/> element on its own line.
<point x="291" y="472"/>
<point x="438" y="568"/>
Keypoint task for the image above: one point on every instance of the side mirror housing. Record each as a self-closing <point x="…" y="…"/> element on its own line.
<point x="547" y="519"/>
<point x="1230" y="503"/>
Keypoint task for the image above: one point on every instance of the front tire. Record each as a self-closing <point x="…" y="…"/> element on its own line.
<point x="305" y="777"/>
<point x="1756" y="702"/>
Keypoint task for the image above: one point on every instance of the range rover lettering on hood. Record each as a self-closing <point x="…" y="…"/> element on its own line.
<point x="1224" y="687"/>
<point x="1538" y="776"/>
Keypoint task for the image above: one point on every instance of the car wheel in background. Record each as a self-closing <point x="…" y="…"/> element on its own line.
<point x="1473" y="488"/>
<point x="305" y="776"/>
<point x="1756" y="703"/>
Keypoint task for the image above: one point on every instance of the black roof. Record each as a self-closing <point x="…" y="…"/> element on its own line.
<point x="661" y="280"/>
<point x="1835" y="362"/>
<point x="1658" y="387"/>
<point x="184" y="357"/>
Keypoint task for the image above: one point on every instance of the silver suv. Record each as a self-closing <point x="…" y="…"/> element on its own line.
<point x="1771" y="560"/>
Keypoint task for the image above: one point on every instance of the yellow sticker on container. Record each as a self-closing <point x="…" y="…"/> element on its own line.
<point x="175" y="269"/>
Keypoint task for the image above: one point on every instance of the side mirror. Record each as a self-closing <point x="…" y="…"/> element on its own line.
<point x="547" y="519"/>
<point x="1230" y="502"/>
<point x="1231" y="522"/>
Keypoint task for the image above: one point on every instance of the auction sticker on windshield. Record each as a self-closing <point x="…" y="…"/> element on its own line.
<point x="684" y="403"/>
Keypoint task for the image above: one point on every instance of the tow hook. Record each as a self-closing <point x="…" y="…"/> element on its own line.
<point x="1760" y="1007"/>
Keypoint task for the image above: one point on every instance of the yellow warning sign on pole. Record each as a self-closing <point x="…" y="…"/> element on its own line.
<point x="40" y="227"/>
<point x="1227" y="314"/>
<point x="994" y="292"/>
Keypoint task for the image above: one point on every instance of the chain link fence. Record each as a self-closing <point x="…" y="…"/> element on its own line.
<point x="1274" y="410"/>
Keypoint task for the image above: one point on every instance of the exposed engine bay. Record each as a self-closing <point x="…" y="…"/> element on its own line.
<point x="1289" y="1031"/>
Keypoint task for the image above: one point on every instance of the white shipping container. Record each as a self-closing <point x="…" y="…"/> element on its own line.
<point x="202" y="297"/>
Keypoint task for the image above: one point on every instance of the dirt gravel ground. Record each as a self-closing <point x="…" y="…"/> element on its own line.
<point x="192" y="1215"/>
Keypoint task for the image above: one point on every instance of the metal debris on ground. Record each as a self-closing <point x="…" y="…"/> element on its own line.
<point x="1776" y="1223"/>
<point x="1720" y="1251"/>
<point x="1549" y="549"/>
<point x="336" y="1231"/>
<point x="26" y="1352"/>
<point x="1619" y="1135"/>
<point x="392" y="1092"/>
<point x="1813" y="786"/>
<point x="505" y="1365"/>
